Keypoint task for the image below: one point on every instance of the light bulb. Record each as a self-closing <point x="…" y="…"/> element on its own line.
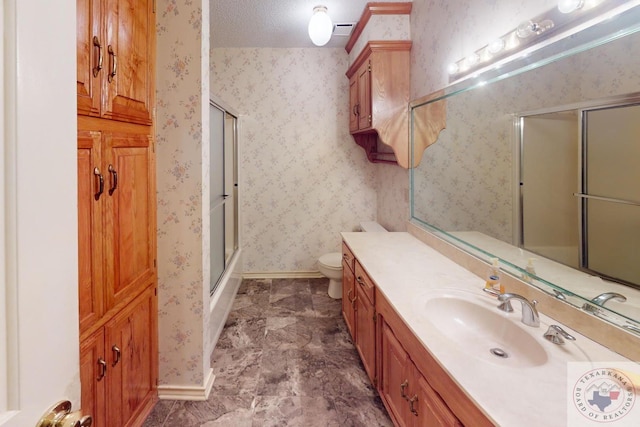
<point x="320" y="26"/>
<point x="568" y="6"/>
<point x="453" y="68"/>
<point x="495" y="46"/>
<point x="472" y="59"/>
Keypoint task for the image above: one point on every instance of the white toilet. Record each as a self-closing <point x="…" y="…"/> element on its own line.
<point x="330" y="265"/>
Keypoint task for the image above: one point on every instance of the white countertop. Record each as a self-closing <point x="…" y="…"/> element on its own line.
<point x="407" y="271"/>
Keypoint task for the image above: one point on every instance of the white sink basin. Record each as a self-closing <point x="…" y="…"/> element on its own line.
<point x="479" y="329"/>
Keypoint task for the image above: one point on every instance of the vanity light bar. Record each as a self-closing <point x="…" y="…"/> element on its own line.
<point x="567" y="16"/>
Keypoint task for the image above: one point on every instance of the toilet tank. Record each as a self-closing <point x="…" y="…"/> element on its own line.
<point x="371" y="226"/>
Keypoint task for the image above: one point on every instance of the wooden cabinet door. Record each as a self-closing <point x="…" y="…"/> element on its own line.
<point x="364" y="96"/>
<point x="353" y="103"/>
<point x="129" y="214"/>
<point x="366" y="333"/>
<point x="348" y="298"/>
<point x="93" y="377"/>
<point x="129" y="60"/>
<point x="428" y="408"/>
<point x="90" y="56"/>
<point x="394" y="388"/>
<point x="90" y="236"/>
<point x="132" y="360"/>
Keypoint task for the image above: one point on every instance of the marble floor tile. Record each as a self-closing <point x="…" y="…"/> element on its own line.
<point x="242" y="332"/>
<point x="236" y="371"/>
<point x="284" y="358"/>
<point x="295" y="411"/>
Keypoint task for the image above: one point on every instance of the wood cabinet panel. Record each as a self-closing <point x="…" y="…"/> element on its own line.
<point x="93" y="370"/>
<point x="353" y="104"/>
<point x="130" y="202"/>
<point x="366" y="333"/>
<point x="364" y="96"/>
<point x="132" y="360"/>
<point x="394" y="379"/>
<point x="90" y="235"/>
<point x="365" y="284"/>
<point x="429" y="408"/>
<point x="129" y="58"/>
<point x="89" y="51"/>
<point x="348" y="298"/>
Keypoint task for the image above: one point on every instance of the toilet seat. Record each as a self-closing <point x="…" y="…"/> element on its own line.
<point x="331" y="261"/>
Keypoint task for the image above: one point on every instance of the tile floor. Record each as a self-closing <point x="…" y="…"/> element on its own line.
<point x="284" y="358"/>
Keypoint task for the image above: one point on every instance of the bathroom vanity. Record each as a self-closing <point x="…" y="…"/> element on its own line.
<point x="424" y="330"/>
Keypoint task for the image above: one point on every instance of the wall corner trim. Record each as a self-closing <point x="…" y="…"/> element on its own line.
<point x="180" y="392"/>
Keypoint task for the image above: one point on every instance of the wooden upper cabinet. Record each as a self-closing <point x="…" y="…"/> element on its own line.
<point x="90" y="56"/>
<point x="379" y="97"/>
<point x="130" y="36"/>
<point x="115" y="53"/>
<point x="353" y="104"/>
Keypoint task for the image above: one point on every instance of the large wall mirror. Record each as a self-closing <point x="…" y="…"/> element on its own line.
<point x="539" y="165"/>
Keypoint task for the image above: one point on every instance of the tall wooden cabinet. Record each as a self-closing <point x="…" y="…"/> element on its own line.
<point x="116" y="210"/>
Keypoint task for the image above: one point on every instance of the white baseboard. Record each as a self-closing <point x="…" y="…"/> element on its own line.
<point x="180" y="392"/>
<point x="310" y="274"/>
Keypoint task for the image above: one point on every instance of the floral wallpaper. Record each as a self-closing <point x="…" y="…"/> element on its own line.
<point x="303" y="178"/>
<point x="381" y="27"/>
<point x="182" y="108"/>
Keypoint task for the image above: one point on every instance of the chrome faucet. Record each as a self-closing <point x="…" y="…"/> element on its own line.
<point x="557" y="335"/>
<point x="603" y="298"/>
<point x="594" y="305"/>
<point x="530" y="316"/>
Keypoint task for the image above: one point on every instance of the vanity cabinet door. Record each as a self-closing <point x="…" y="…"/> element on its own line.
<point x="366" y="332"/>
<point x="427" y="407"/>
<point x="348" y="298"/>
<point x="395" y="373"/>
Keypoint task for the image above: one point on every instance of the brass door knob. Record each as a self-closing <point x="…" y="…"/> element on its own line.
<point x="60" y="415"/>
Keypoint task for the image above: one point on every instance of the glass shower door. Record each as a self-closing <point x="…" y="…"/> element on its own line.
<point x="216" y="194"/>
<point x="611" y="192"/>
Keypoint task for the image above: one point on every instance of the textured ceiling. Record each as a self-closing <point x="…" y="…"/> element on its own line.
<point x="276" y="23"/>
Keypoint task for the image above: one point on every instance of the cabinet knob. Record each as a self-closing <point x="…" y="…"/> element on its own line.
<point x="114" y="179"/>
<point x="98" y="67"/>
<point x="98" y="175"/>
<point x="102" y="365"/>
<point x="414" y="411"/>
<point x="114" y="63"/>
<point x="402" y="387"/>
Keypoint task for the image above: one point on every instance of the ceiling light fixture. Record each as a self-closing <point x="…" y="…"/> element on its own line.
<point x="320" y="26"/>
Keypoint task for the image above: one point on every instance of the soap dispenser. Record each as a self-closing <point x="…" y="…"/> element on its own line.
<point x="530" y="271"/>
<point x="493" y="277"/>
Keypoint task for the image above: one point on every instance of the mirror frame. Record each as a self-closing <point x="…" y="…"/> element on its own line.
<point x="601" y="32"/>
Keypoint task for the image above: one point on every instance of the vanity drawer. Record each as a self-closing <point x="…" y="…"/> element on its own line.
<point x="347" y="256"/>
<point x="364" y="282"/>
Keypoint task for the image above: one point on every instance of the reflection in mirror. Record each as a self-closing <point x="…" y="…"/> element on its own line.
<point x="562" y="221"/>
